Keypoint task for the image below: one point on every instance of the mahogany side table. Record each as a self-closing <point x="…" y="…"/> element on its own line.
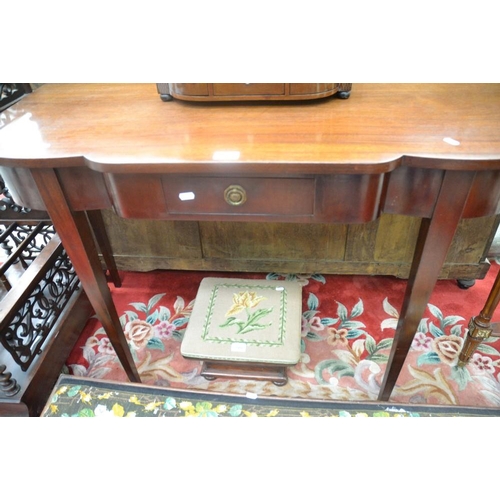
<point x="431" y="151"/>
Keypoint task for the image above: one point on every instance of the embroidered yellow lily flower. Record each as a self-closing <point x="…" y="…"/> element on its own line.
<point x="244" y="300"/>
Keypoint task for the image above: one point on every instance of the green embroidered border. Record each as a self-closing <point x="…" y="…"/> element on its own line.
<point x="226" y="340"/>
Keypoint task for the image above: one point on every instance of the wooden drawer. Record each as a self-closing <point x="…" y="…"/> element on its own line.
<point x="243" y="196"/>
<point x="334" y="198"/>
<point x="242" y="89"/>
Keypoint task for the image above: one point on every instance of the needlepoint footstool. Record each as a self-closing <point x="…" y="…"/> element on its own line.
<point x="243" y="328"/>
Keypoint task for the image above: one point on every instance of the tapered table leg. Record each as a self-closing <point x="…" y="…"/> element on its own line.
<point x="435" y="237"/>
<point x="97" y="223"/>
<point x="480" y="327"/>
<point x="76" y="236"/>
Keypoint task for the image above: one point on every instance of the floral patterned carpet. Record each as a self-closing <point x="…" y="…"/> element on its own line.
<point x="348" y="324"/>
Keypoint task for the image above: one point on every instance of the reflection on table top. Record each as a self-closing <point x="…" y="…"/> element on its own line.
<point x="120" y="124"/>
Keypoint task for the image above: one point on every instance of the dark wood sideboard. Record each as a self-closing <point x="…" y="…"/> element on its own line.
<point x="425" y="151"/>
<point x="252" y="91"/>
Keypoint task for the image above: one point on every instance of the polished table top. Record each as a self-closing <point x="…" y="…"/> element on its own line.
<point x="115" y="127"/>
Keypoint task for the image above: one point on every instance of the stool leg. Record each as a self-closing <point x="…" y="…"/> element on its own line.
<point x="480" y="327"/>
<point x="101" y="236"/>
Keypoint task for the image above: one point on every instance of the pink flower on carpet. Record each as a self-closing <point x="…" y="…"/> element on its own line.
<point x="483" y="363"/>
<point x="337" y="337"/>
<point x="105" y="347"/>
<point x="421" y="342"/>
<point x="164" y="330"/>
<point x="305" y="327"/>
<point x="138" y="332"/>
<point x="448" y="348"/>
<point x="313" y="325"/>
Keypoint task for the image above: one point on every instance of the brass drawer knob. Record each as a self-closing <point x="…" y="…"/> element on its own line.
<point x="235" y="195"/>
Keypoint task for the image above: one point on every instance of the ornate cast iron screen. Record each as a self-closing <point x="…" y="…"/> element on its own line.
<point x="27" y="327"/>
<point x="44" y="279"/>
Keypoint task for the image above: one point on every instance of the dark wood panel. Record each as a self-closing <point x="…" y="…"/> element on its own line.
<point x="361" y="242"/>
<point x="135" y="196"/>
<point x="396" y="238"/>
<point x="22" y="188"/>
<point x="248" y="88"/>
<point x="189" y="88"/>
<point x="280" y="242"/>
<point x="370" y="268"/>
<point x="478" y="204"/>
<point x="384" y="246"/>
<point x="412" y="191"/>
<point x="94" y="197"/>
<point x="312" y="88"/>
<point x="472" y="240"/>
<point x="152" y="238"/>
<point x="349" y="198"/>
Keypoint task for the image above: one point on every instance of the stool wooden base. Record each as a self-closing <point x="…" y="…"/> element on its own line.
<point x="254" y="371"/>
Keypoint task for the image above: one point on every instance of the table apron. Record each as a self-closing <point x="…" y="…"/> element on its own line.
<point x="335" y="198"/>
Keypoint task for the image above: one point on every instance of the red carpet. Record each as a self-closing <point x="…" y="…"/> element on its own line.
<point x="347" y="331"/>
